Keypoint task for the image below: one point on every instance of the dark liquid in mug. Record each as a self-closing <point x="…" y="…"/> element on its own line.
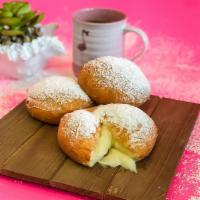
<point x="100" y="21"/>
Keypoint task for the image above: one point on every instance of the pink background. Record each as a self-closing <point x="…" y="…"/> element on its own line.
<point x="172" y="65"/>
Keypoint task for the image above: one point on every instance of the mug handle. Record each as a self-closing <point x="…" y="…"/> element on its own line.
<point x="139" y="32"/>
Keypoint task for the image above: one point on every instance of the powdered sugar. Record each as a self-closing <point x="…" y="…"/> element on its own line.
<point x="58" y="88"/>
<point x="123" y="75"/>
<point x="82" y="123"/>
<point x="137" y="123"/>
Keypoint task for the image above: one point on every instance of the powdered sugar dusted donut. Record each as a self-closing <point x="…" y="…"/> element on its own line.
<point x="114" y="80"/>
<point x="125" y="131"/>
<point x="49" y="99"/>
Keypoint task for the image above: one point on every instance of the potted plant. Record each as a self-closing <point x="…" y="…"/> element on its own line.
<point x="25" y="45"/>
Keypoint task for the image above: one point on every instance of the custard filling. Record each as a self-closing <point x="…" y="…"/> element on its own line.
<point x="117" y="158"/>
<point x="109" y="152"/>
<point x="102" y="147"/>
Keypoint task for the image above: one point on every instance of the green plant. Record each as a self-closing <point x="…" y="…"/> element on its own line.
<point x="18" y="23"/>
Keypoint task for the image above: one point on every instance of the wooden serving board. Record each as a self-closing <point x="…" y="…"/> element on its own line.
<point x="29" y="151"/>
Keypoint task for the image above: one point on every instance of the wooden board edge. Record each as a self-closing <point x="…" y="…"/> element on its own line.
<point x="178" y="100"/>
<point x="24" y="177"/>
<point x="75" y="190"/>
<point x="194" y="119"/>
<point x="22" y="103"/>
<point x="110" y="197"/>
<point x="18" y="148"/>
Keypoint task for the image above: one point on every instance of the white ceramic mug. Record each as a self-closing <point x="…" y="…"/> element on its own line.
<point x="100" y="32"/>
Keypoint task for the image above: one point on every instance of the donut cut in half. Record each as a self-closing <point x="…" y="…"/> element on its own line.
<point x="112" y="135"/>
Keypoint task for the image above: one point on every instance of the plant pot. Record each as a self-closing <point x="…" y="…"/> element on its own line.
<point x="28" y="60"/>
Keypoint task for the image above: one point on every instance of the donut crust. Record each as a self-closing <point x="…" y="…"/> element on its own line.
<point x="52" y="112"/>
<point x="78" y="149"/>
<point x="49" y="99"/>
<point x="106" y="81"/>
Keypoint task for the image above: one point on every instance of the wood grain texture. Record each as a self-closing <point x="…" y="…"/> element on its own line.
<point x="15" y="128"/>
<point x="175" y="121"/>
<point x="29" y="151"/>
<point x="83" y="180"/>
<point x="38" y="159"/>
<point x="72" y="177"/>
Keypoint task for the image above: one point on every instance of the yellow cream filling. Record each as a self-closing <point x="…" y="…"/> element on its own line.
<point x="103" y="146"/>
<point x="109" y="152"/>
<point x="121" y="148"/>
<point x="117" y="158"/>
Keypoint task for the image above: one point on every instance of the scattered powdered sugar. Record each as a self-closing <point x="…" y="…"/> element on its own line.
<point x="58" y="88"/>
<point x="194" y="140"/>
<point x="137" y="123"/>
<point x="122" y="74"/>
<point x="194" y="198"/>
<point x="81" y="123"/>
<point x="49" y="44"/>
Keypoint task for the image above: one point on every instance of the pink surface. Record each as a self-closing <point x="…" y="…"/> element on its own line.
<point x="172" y="65"/>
